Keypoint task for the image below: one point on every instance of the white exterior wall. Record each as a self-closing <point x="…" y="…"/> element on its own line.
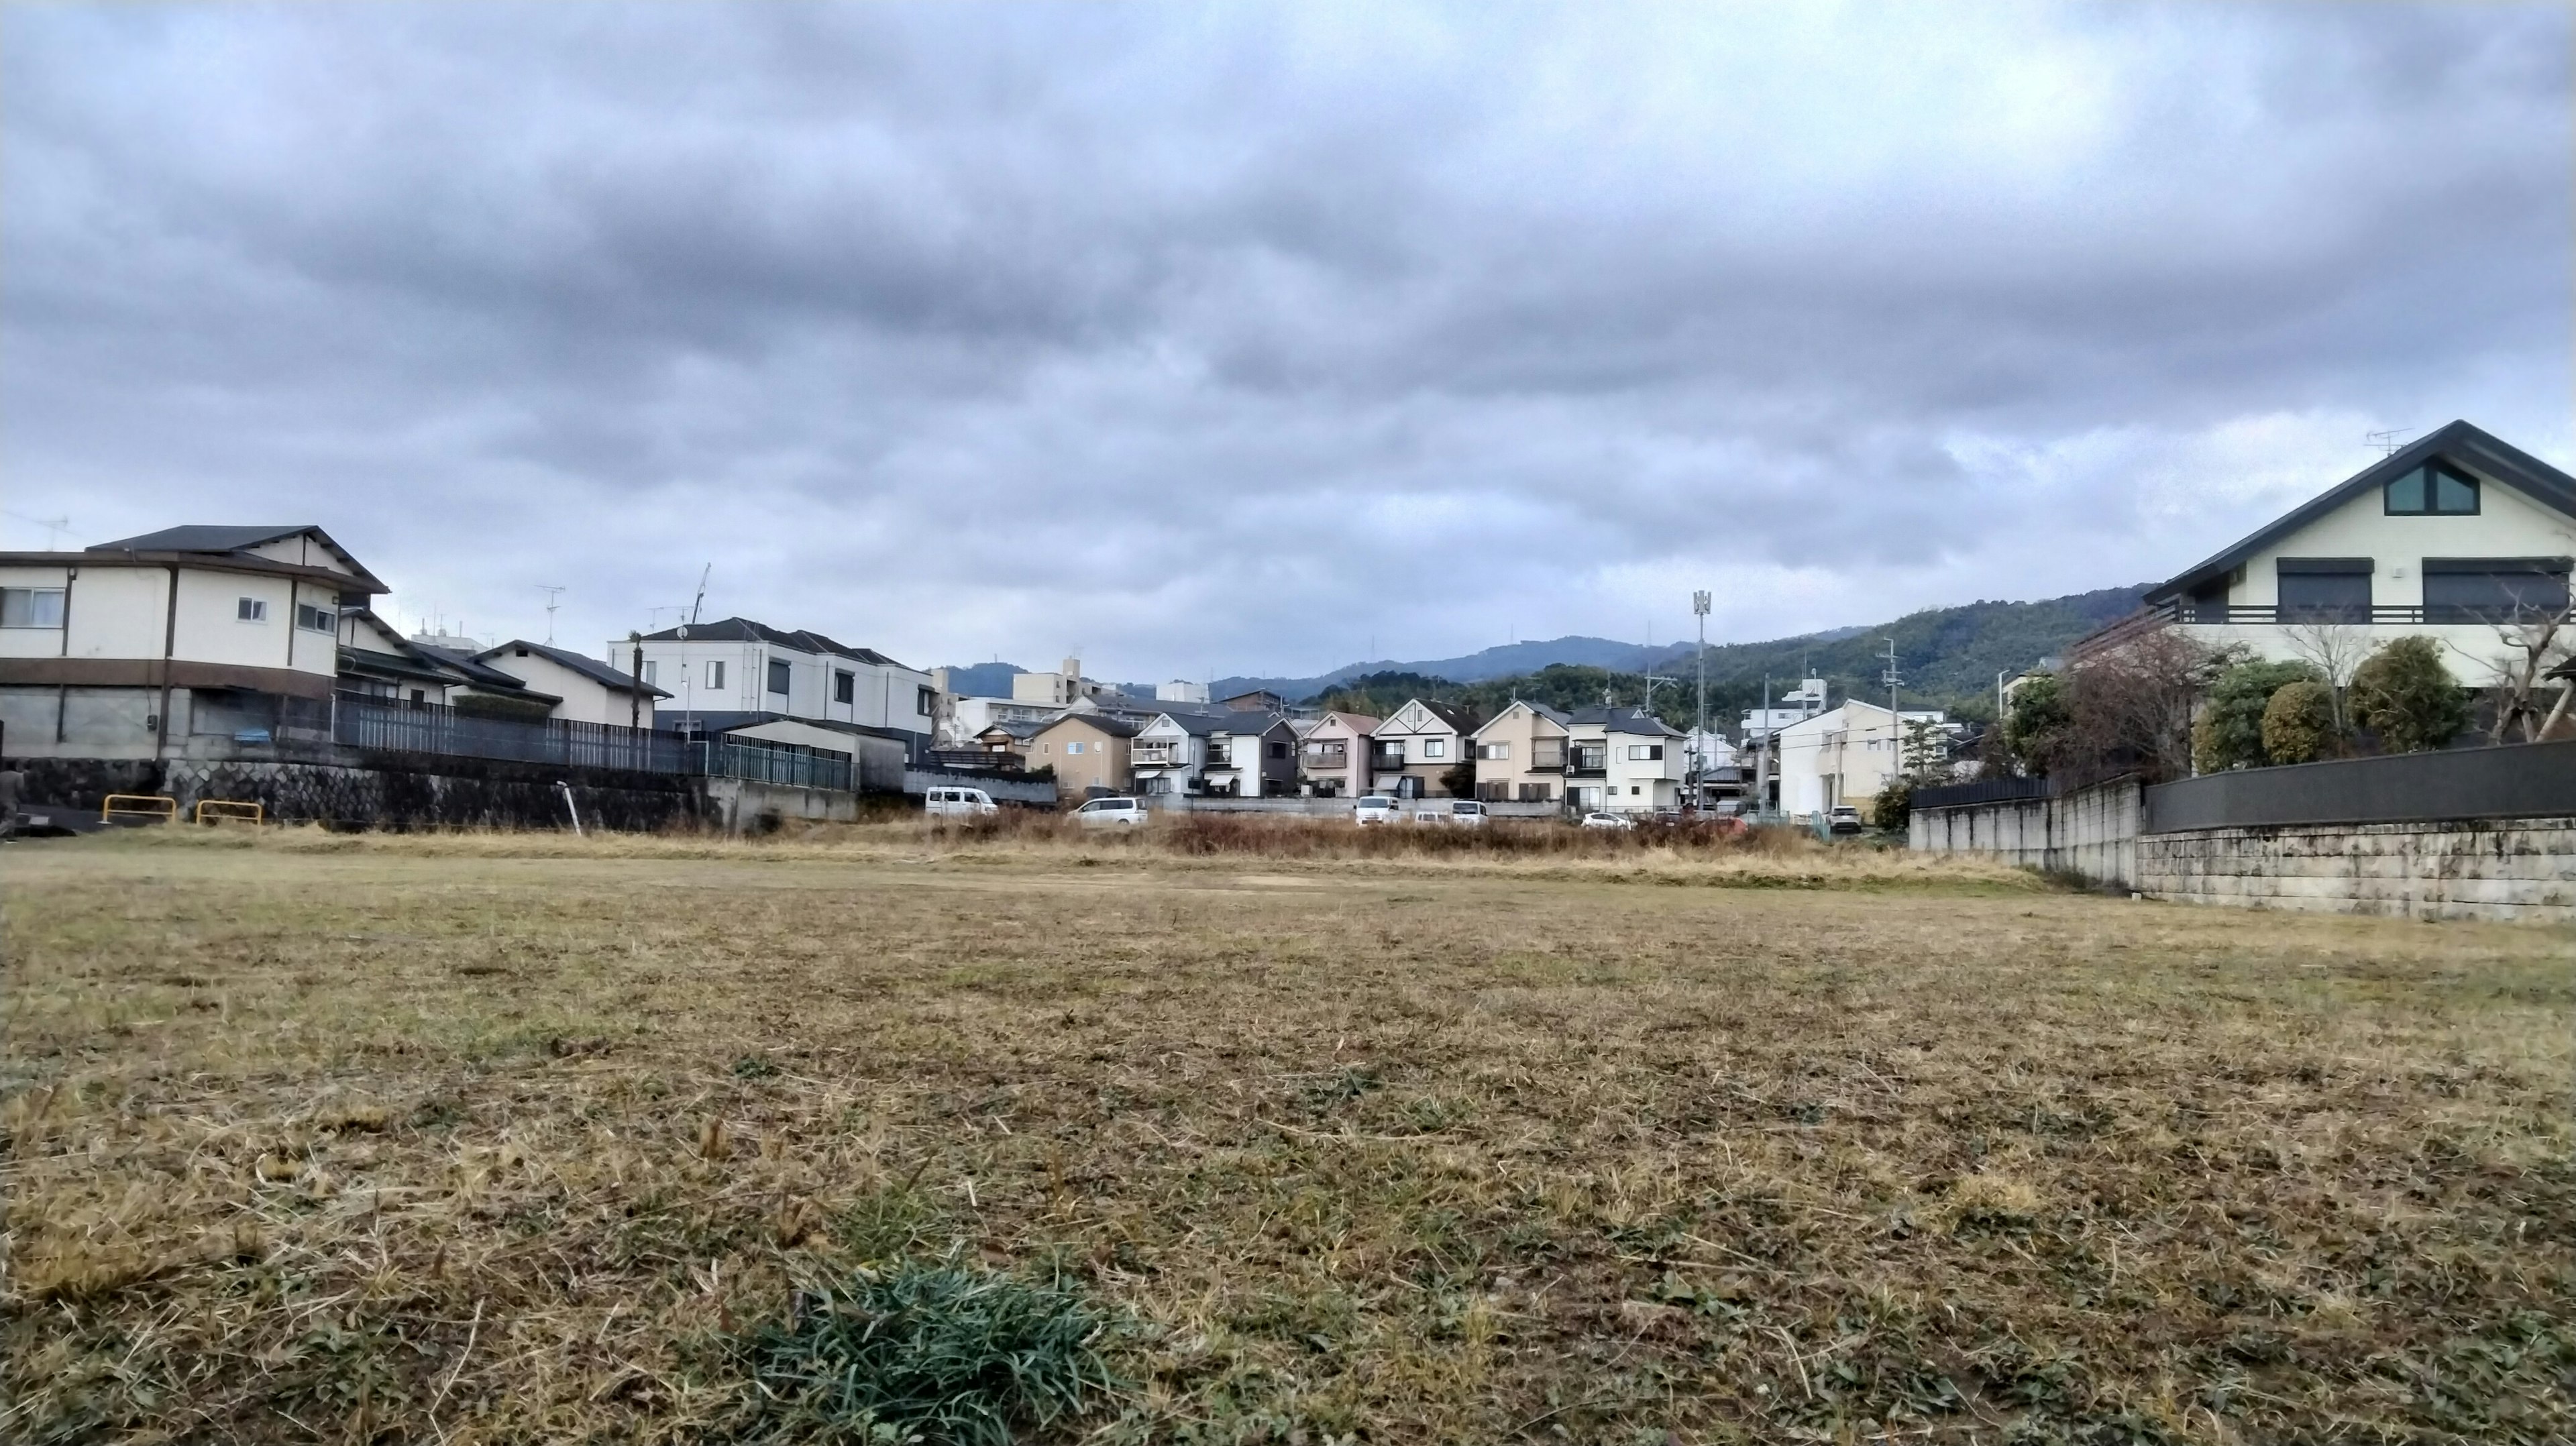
<point x="1189" y="757"/>
<point x="123" y="612"/>
<point x="886" y="697"/>
<point x="118" y="612"/>
<point x="2507" y="524"/>
<point x="585" y="699"/>
<point x="1641" y="785"/>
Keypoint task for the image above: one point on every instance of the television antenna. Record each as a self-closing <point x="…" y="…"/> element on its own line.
<point x="54" y="526"/>
<point x="2388" y="441"/>
<point x="554" y="592"/>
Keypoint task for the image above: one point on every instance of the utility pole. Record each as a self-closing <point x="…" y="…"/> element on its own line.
<point x="1699" y="722"/>
<point x="1762" y="765"/>
<point x="1895" y="727"/>
<point x="635" y="699"/>
<point x="554" y="596"/>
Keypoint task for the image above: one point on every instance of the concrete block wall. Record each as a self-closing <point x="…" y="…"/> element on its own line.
<point x="2520" y="870"/>
<point x="2091" y="831"/>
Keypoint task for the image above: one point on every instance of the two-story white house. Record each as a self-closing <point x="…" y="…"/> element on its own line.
<point x="1170" y="752"/>
<point x="738" y="667"/>
<point x="175" y="642"/>
<point x="1622" y="760"/>
<point x="2449" y="537"/>
<point x="1846" y="754"/>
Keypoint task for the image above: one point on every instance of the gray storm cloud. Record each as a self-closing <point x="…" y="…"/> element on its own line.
<point x="1232" y="337"/>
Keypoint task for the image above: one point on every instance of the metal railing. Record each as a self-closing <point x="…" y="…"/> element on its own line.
<point x="1983" y="790"/>
<point x="2353" y="614"/>
<point x="435" y="728"/>
<point x="790" y="765"/>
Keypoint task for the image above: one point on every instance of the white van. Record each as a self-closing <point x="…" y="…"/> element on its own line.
<point x="1376" y="808"/>
<point x="1111" y="813"/>
<point x="1468" y="812"/>
<point x="958" y="803"/>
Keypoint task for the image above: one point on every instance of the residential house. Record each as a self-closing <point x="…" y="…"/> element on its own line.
<point x="1416" y="746"/>
<point x="1090" y="753"/>
<point x="1170" y="752"/>
<point x="1520" y="754"/>
<point x="378" y="663"/>
<point x="1622" y="760"/>
<point x="1253" y="755"/>
<point x="741" y="666"/>
<point x="2450" y="536"/>
<point x="184" y="642"/>
<point x="1333" y="758"/>
<point x="961" y="719"/>
<point x="585" y="690"/>
<point x="1847" y="754"/>
<point x="1260" y="700"/>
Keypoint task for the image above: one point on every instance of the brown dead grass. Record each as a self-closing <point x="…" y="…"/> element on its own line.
<point x="500" y="1138"/>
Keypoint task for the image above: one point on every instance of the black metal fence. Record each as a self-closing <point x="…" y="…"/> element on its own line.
<point x="790" y="764"/>
<point x="1983" y="790"/>
<point x="2523" y="780"/>
<point x="433" y="728"/>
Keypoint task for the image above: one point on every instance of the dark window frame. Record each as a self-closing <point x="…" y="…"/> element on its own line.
<point x="2432" y="472"/>
<point x="845" y="686"/>
<point x="782" y="677"/>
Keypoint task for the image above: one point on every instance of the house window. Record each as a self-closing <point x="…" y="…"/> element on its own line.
<point x="250" y="610"/>
<point x="1435" y="747"/>
<point x="779" y="676"/>
<point x="1073" y="747"/>
<point x="31" y="607"/>
<point x="2433" y="490"/>
<point x="1497" y="751"/>
<point x="1634" y="790"/>
<point x="652" y="672"/>
<point x="715" y="675"/>
<point x="845" y="686"/>
<point x="1278" y="749"/>
<point x="2325" y="589"/>
<point x="2493" y="589"/>
<point x="315" y="620"/>
<point x="1645" y="752"/>
<point x="925" y="701"/>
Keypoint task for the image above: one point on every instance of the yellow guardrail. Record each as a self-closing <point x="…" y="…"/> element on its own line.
<point x="167" y="809"/>
<point x="212" y="810"/>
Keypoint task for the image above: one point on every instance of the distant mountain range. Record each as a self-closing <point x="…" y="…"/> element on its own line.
<point x="1946" y="656"/>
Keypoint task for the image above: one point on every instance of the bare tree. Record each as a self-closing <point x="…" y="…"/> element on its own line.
<point x="2536" y="645"/>
<point x="2335" y="650"/>
<point x="2131" y="705"/>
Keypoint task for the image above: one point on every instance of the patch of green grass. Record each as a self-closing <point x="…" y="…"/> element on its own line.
<point x="937" y="1353"/>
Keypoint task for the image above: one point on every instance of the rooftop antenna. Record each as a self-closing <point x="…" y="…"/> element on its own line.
<point x="2389" y="441"/>
<point x="54" y="526"/>
<point x="554" y="592"/>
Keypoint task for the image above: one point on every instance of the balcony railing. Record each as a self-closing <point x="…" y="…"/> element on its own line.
<point x="1547" y="760"/>
<point x="1153" y="756"/>
<point x="431" y="728"/>
<point x="2353" y="614"/>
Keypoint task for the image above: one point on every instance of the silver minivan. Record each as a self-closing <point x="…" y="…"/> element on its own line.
<point x="958" y="803"/>
<point x="1111" y="813"/>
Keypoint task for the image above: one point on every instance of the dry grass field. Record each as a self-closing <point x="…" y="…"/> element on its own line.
<point x="534" y="1139"/>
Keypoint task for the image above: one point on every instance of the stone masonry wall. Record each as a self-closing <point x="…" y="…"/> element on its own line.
<point x="387" y="792"/>
<point x="2505" y="869"/>
<point x="2092" y="831"/>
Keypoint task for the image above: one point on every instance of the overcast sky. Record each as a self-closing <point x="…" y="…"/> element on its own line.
<point x="1230" y="338"/>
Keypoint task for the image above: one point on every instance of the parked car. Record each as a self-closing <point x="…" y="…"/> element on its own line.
<point x="1376" y="808"/>
<point x="1598" y="819"/>
<point x="1729" y="807"/>
<point x="1844" y="819"/>
<point x="1111" y="813"/>
<point x="958" y="803"/>
<point x="1468" y="813"/>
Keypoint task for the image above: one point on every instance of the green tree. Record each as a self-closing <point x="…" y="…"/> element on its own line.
<point x="2035" y="730"/>
<point x="2229" y="733"/>
<point x="1894" y="805"/>
<point x="2405" y="695"/>
<point x="1460" y="778"/>
<point x="2299" y="723"/>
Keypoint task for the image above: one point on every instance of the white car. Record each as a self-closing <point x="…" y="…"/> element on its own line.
<point x="1111" y="812"/>
<point x="1468" y="813"/>
<point x="1598" y="819"/>
<point x="1844" y="819"/>
<point x="1376" y="808"/>
<point x="958" y="803"/>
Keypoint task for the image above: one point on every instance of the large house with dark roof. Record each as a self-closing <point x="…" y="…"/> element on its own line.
<point x="738" y="666"/>
<point x="174" y="643"/>
<point x="2452" y="536"/>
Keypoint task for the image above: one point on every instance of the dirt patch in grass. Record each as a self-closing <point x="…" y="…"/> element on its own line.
<point x="498" y="1139"/>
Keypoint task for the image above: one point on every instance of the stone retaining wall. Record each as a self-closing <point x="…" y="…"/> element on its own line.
<point x="2507" y="869"/>
<point x="2091" y="831"/>
<point x="394" y="792"/>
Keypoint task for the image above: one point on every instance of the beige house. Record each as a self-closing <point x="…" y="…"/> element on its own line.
<point x="1415" y="747"/>
<point x="585" y="690"/>
<point x="1332" y="762"/>
<point x="1087" y="751"/>
<point x="2453" y="537"/>
<point x="1520" y="755"/>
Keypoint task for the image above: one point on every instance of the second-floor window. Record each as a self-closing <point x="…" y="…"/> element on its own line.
<point x="715" y="675"/>
<point x="652" y="672"/>
<point x="1435" y="747"/>
<point x="2435" y="490"/>
<point x="779" y="676"/>
<point x="2325" y="589"/>
<point x="925" y="701"/>
<point x="1496" y="751"/>
<point x="315" y="620"/>
<point x="31" y="607"/>
<point x="845" y="686"/>
<point x="250" y="610"/>
<point x="1645" y="752"/>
